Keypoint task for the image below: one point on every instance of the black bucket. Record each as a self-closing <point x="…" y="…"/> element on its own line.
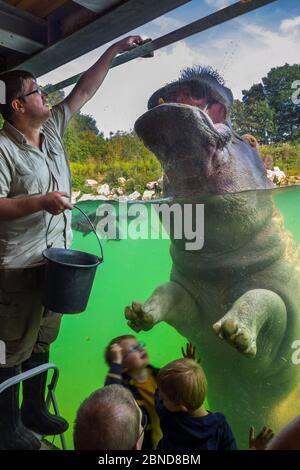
<point x="69" y="276"/>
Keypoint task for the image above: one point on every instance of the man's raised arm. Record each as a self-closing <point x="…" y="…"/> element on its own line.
<point x="94" y="76"/>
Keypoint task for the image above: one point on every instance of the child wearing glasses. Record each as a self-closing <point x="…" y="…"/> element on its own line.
<point x="129" y="366"/>
<point x="185" y="423"/>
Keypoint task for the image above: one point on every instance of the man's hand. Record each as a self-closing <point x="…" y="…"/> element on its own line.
<point x="261" y="440"/>
<point x="190" y="352"/>
<point x="127" y="43"/>
<point x="116" y="354"/>
<point x="55" y="202"/>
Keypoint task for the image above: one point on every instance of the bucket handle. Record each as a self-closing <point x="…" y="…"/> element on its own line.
<point x="90" y="223"/>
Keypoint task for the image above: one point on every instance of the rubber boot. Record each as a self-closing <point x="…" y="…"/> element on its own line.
<point x="34" y="412"/>
<point x="13" y="434"/>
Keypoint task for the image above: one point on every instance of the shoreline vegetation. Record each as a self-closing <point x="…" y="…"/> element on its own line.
<point x="127" y="170"/>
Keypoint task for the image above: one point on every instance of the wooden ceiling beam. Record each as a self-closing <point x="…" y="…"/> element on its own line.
<point x="97" y="6"/>
<point x="41" y="8"/>
<point x="20" y="31"/>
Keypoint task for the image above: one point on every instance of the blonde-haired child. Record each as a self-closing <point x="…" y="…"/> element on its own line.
<point x="185" y="423"/>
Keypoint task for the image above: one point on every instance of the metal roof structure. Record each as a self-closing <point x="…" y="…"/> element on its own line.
<point x="41" y="35"/>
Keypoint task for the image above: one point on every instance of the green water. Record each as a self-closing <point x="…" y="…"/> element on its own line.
<point x="132" y="269"/>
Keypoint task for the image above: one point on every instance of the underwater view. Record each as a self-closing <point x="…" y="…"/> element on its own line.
<point x="132" y="269"/>
<point x="149" y="228"/>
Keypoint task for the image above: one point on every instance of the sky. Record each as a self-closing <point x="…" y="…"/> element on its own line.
<point x="243" y="50"/>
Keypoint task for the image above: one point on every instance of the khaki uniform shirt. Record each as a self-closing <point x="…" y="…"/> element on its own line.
<point x="26" y="170"/>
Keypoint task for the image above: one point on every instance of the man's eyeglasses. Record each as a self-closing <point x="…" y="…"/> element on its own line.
<point x="38" y="90"/>
<point x="134" y="348"/>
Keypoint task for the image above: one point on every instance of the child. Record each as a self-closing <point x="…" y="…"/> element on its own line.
<point x="129" y="366"/>
<point x="185" y="423"/>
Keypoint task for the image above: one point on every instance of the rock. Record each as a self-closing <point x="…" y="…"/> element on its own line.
<point x="160" y="183"/>
<point x="75" y="196"/>
<point x="277" y="176"/>
<point x="151" y="185"/>
<point x="135" y="195"/>
<point x="123" y="198"/>
<point x="103" y="190"/>
<point x="148" y="195"/>
<point x="91" y="183"/>
<point x="100" y="198"/>
<point x="290" y="181"/>
<point x="86" y="197"/>
<point x="117" y="192"/>
<point x="121" y="181"/>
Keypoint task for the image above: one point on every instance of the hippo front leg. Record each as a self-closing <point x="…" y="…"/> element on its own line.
<point x="169" y="302"/>
<point x="255" y="310"/>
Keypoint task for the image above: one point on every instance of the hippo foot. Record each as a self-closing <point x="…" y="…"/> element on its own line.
<point x="255" y="309"/>
<point x="167" y="300"/>
<point x="139" y="318"/>
<point x="237" y="334"/>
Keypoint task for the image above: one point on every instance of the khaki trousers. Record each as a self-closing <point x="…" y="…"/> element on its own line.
<point x="25" y="325"/>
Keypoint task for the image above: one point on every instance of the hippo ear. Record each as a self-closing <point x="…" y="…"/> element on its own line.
<point x="251" y="140"/>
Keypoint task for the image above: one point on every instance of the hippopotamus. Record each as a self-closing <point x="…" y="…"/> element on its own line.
<point x="237" y="299"/>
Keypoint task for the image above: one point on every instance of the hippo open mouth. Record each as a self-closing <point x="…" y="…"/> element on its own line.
<point x="207" y="93"/>
<point x="202" y="87"/>
<point x="185" y="140"/>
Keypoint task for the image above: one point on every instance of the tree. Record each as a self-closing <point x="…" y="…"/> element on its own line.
<point x="279" y="91"/>
<point x="256" y="93"/>
<point x="275" y="92"/>
<point x="55" y="97"/>
<point x="85" y="122"/>
<point x="256" y="117"/>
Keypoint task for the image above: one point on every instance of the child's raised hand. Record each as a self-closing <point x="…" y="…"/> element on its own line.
<point x="190" y="352"/>
<point x="260" y="441"/>
<point x="116" y="354"/>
